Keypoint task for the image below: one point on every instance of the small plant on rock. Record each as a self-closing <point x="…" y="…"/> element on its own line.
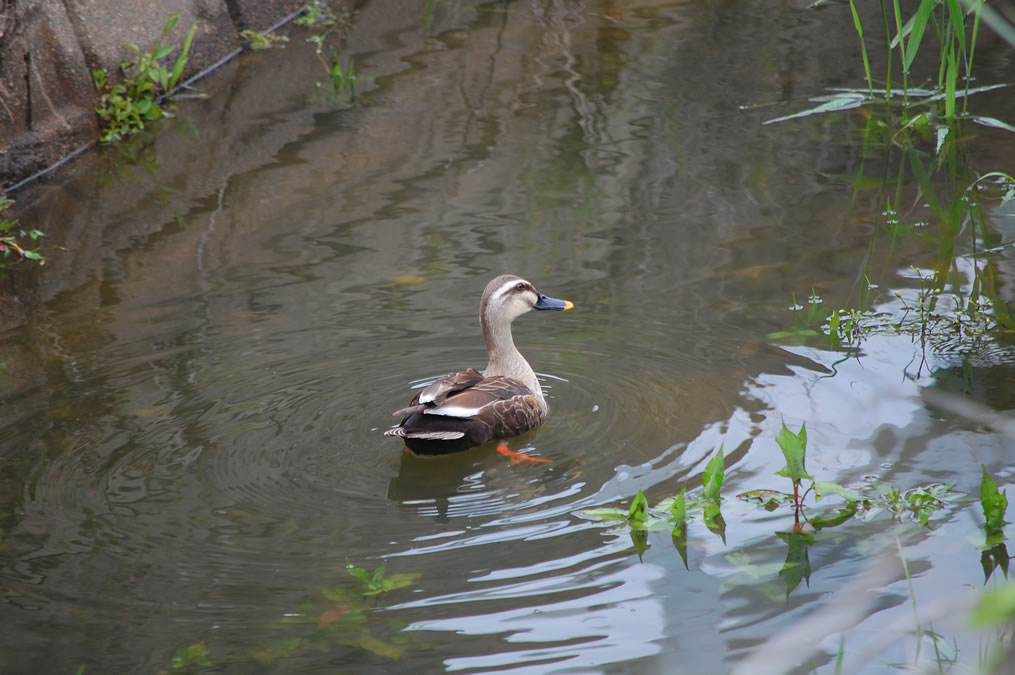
<point x="124" y="108"/>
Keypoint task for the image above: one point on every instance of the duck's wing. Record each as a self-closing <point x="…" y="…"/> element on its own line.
<point x="438" y="392"/>
<point x="492" y="407"/>
<point x="481" y="397"/>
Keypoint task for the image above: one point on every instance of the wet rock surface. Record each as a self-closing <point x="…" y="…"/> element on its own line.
<point x="48" y="49"/>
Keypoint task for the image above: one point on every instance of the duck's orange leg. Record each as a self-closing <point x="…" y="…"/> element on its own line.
<point x="519" y="457"/>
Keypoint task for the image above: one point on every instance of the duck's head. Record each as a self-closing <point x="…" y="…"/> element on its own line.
<point x="507" y="297"/>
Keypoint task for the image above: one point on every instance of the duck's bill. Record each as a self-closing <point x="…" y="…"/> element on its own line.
<point x="553" y="303"/>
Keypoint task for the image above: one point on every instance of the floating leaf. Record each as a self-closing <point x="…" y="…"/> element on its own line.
<point x="841" y="516"/>
<point x="606" y="513"/>
<point x="833" y="103"/>
<point x="828" y="487"/>
<point x="766" y="499"/>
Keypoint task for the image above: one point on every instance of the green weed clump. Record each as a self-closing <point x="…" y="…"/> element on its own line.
<point x="124" y="108"/>
<point x="319" y="16"/>
<point x="14" y="246"/>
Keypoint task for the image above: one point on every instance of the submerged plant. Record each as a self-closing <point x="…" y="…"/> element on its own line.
<point x="126" y="107"/>
<point x="341" y="615"/>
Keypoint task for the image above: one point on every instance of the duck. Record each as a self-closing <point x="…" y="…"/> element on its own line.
<point x="471" y="408"/>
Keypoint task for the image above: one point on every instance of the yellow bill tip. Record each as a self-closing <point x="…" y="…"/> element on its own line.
<point x="568" y="305"/>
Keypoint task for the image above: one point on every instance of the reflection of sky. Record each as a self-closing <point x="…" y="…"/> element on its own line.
<point x="581" y="610"/>
<point x="620" y="619"/>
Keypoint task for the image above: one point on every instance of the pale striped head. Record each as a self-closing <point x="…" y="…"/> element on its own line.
<point x="507" y="297"/>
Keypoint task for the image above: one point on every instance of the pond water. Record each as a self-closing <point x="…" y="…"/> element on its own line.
<point x="196" y="389"/>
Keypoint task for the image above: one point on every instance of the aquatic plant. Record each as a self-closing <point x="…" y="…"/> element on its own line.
<point x="640" y="518"/>
<point x="341" y="616"/>
<point x="925" y="114"/>
<point x="126" y="107"/>
<point x="954" y="302"/>
<point x="13" y="245"/>
<point x="258" y="41"/>
<point x="322" y="18"/>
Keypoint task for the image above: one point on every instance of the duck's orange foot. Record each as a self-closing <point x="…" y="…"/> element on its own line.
<point x="520" y="457"/>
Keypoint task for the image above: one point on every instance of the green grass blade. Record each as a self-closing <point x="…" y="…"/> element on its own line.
<point x="920" y="19"/>
<point x="181" y="60"/>
<point x="957" y="18"/>
<point x="950" y="79"/>
<point x="863" y="46"/>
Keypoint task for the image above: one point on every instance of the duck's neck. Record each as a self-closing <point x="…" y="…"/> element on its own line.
<point x="505" y="359"/>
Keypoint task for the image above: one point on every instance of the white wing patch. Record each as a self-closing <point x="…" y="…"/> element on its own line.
<point x="453" y="411"/>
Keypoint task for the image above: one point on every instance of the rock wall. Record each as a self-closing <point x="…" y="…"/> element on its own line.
<point x="48" y="49"/>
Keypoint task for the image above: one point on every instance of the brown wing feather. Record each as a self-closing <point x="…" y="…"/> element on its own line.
<point x="437" y="393"/>
<point x="503" y="408"/>
<point x="482" y="393"/>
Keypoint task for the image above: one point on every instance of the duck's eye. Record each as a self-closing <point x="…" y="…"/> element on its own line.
<point x="520" y="286"/>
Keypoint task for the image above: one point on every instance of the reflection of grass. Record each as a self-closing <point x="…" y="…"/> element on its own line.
<point x="957" y="304"/>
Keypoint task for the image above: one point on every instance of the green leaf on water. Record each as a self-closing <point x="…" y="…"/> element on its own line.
<point x="838" y="518"/>
<point x="607" y="513"/>
<point x="638" y="513"/>
<point x="766" y="499"/>
<point x="794" y="450"/>
<point x="994" y="503"/>
<point x="678" y="509"/>
<point x="713" y="477"/>
<point x="822" y="487"/>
